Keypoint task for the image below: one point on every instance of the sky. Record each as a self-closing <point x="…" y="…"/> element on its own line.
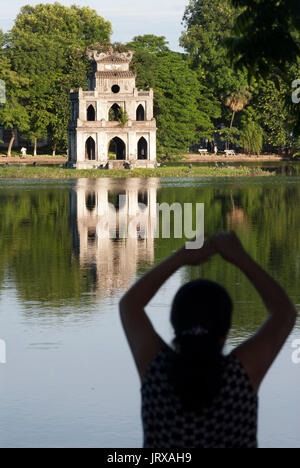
<point x="129" y="18"/>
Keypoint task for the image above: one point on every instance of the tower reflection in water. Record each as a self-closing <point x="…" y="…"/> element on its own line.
<point x="113" y="225"/>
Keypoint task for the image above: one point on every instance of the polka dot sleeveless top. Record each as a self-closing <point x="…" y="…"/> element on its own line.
<point x="229" y="422"/>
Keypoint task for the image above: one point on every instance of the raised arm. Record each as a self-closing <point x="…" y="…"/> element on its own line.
<point x="144" y="342"/>
<point x="259" y="352"/>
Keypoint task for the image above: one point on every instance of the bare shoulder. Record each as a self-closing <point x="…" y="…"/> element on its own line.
<point x="145" y="343"/>
<point x="258" y="353"/>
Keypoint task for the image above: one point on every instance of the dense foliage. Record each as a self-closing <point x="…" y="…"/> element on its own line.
<point x="38" y="239"/>
<point x="265" y="34"/>
<point x="265" y="42"/>
<point x="47" y="46"/>
<point x="204" y="96"/>
<point x="209" y="27"/>
<point x="176" y="93"/>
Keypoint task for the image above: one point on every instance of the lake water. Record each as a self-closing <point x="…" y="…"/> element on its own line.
<point x="69" y="380"/>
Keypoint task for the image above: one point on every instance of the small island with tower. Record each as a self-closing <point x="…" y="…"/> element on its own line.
<point x="112" y="124"/>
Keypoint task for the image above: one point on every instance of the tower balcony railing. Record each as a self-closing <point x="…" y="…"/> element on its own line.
<point x="116" y="124"/>
<point x="143" y="93"/>
<point x="89" y="93"/>
<point x="101" y="94"/>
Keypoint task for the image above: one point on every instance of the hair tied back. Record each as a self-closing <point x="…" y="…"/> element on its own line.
<point x="196" y="331"/>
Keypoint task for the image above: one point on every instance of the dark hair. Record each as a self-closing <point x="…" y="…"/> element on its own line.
<point x="201" y="318"/>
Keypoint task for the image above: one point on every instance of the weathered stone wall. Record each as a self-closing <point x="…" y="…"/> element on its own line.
<point x="114" y="85"/>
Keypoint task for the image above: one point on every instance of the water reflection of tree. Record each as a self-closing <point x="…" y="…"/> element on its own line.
<point x="237" y="217"/>
<point x="35" y="246"/>
<point x="272" y="236"/>
<point x="37" y="242"/>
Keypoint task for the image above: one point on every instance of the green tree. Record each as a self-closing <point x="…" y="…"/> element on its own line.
<point x="207" y="24"/>
<point x="265" y="34"/>
<point x="229" y="135"/>
<point x="251" y="137"/>
<point x="270" y="110"/>
<point x="12" y="113"/>
<point x="39" y="120"/>
<point x="47" y="46"/>
<point x="150" y="43"/>
<point x="265" y="42"/>
<point x="209" y="27"/>
<point x="177" y="93"/>
<point x="176" y="107"/>
<point x="210" y="111"/>
<point x="237" y="101"/>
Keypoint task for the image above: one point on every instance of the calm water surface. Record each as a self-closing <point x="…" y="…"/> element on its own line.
<point x="69" y="378"/>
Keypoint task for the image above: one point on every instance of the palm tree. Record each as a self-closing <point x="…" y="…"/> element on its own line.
<point x="237" y="101"/>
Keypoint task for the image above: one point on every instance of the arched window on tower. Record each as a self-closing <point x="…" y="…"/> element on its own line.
<point x="90" y="149"/>
<point x="114" y="113"/>
<point x="118" y="148"/>
<point x="140" y="113"/>
<point x="91" y="114"/>
<point x="142" y="149"/>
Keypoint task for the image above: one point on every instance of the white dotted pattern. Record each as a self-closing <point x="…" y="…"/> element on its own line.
<point x="229" y="422"/>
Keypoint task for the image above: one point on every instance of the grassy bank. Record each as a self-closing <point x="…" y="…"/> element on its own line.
<point x="161" y="172"/>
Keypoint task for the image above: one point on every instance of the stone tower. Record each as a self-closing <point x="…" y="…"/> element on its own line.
<point x="97" y="138"/>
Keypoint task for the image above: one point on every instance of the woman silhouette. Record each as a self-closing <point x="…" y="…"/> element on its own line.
<point x="192" y="395"/>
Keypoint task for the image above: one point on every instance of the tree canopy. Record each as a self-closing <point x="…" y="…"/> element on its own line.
<point x="209" y="29"/>
<point x="176" y="93"/>
<point x="13" y="112"/>
<point x="265" y="34"/>
<point x="200" y="96"/>
<point x="47" y="46"/>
